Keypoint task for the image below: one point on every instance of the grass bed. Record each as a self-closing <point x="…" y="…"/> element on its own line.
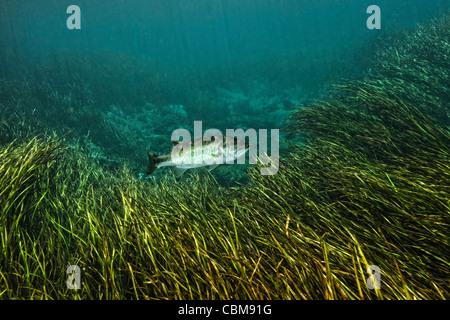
<point x="369" y="188"/>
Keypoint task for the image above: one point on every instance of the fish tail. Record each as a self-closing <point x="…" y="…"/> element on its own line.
<point x="152" y="163"/>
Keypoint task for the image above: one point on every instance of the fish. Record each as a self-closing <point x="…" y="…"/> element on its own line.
<point x="208" y="151"/>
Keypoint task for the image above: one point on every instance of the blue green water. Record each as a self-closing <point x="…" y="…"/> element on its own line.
<point x="203" y="32"/>
<point x="137" y="70"/>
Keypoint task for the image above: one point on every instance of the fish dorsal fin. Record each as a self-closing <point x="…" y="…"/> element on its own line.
<point x="178" y="172"/>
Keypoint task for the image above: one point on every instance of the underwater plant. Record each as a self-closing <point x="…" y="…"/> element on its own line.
<point x="369" y="186"/>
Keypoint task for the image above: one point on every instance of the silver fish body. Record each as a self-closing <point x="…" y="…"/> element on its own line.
<point x="209" y="151"/>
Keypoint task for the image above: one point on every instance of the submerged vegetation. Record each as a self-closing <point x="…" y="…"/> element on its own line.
<point x="369" y="188"/>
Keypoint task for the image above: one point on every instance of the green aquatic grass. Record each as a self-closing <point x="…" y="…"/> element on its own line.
<point x="415" y="67"/>
<point x="308" y="232"/>
<point x="368" y="187"/>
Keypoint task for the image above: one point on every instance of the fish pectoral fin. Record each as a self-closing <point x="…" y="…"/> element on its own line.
<point x="178" y="172"/>
<point x="212" y="167"/>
